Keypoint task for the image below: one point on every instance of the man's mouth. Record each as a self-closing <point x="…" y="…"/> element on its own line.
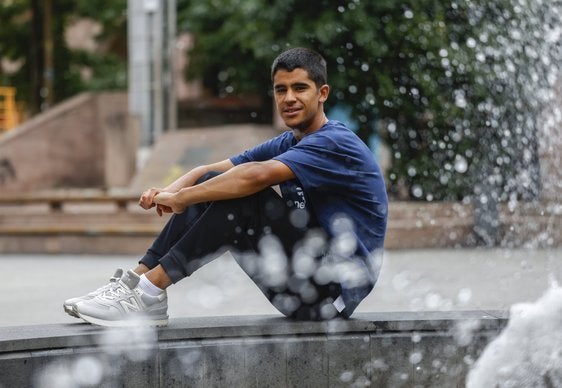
<point x="291" y="111"/>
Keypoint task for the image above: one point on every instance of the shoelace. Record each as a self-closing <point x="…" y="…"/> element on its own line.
<point x="114" y="292"/>
<point x="111" y="284"/>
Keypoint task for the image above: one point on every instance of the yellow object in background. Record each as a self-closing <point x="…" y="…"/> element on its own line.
<point x="9" y="115"/>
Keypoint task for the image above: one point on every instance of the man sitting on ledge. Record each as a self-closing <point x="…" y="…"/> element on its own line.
<point x="313" y="245"/>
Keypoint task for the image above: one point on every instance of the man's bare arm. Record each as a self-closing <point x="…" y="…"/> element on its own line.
<point x="239" y="181"/>
<point x="146" y="200"/>
<point x="192" y="176"/>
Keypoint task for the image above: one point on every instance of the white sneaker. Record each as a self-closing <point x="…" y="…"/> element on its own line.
<point x="69" y="304"/>
<point x="125" y="305"/>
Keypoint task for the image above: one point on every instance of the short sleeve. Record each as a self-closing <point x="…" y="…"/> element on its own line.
<point x="266" y="150"/>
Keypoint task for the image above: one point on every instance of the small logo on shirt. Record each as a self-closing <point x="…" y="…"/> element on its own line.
<point x="300" y="199"/>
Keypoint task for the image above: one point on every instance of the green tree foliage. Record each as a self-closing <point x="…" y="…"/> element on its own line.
<point x="22" y="41"/>
<point x="16" y="28"/>
<point x="435" y="76"/>
<point x="109" y="66"/>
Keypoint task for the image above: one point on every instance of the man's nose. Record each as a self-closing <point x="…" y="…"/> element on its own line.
<point x="290" y="96"/>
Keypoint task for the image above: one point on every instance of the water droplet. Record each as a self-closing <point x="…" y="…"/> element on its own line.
<point x="346" y="376"/>
<point x="87" y="371"/>
<point x="461" y="165"/>
<point x="415" y="358"/>
<point x="433" y="301"/>
<point x="464" y="295"/>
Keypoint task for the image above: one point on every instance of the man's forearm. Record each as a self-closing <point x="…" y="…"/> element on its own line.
<point x="240" y="181"/>
<point x="189" y="179"/>
<point x="236" y="182"/>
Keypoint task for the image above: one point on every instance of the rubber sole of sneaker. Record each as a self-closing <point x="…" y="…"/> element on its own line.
<point x="125" y="323"/>
<point x="69" y="309"/>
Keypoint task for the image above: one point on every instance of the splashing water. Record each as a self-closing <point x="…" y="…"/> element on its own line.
<point x="118" y="347"/>
<point x="526" y="61"/>
<point x="528" y="353"/>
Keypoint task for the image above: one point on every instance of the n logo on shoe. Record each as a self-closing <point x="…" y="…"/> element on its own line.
<point x="130" y="305"/>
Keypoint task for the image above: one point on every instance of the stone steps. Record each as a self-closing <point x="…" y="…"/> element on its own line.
<point x="102" y="228"/>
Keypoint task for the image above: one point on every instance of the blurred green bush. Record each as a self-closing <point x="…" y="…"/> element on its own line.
<point x="453" y="88"/>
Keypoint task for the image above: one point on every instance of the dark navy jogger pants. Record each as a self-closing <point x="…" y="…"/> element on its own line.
<point x="260" y="232"/>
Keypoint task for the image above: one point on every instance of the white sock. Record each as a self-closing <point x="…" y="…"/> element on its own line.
<point x="148" y="288"/>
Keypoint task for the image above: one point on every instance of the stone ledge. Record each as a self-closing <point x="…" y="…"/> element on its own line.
<point x="377" y="349"/>
<point x="42" y="337"/>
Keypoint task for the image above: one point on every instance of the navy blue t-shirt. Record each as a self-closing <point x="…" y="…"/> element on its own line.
<point x="343" y="189"/>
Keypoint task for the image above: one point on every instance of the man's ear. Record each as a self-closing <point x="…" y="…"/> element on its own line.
<point x="324" y="92"/>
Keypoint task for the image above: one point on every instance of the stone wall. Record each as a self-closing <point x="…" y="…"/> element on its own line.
<point x="87" y="141"/>
<point x="378" y="349"/>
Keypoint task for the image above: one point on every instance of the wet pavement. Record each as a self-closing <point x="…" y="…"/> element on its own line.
<point x="33" y="287"/>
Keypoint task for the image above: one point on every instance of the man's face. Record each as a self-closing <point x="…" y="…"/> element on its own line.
<point x="298" y="100"/>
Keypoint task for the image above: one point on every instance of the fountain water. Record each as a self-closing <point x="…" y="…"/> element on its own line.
<point x="520" y="57"/>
